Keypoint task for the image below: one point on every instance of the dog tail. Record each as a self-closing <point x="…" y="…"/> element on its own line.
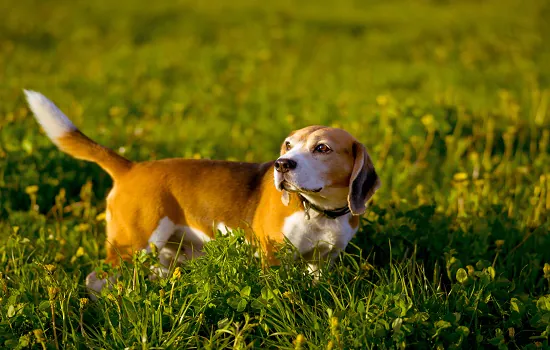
<point x="70" y="140"/>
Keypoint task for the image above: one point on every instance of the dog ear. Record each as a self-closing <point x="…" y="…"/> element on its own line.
<point x="363" y="182"/>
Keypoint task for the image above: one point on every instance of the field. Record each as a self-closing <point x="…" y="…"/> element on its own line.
<point x="452" y="99"/>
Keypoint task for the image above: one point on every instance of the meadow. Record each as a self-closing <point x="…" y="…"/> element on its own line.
<point x="452" y="99"/>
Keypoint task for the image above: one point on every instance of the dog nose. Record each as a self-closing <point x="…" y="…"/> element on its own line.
<point x="283" y="165"/>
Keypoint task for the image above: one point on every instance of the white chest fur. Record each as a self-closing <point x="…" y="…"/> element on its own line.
<point x="318" y="237"/>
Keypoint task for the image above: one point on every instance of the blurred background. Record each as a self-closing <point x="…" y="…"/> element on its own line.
<point x="450" y="97"/>
<point x="433" y="88"/>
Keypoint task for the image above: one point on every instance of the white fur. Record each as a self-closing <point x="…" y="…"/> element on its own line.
<point x="308" y="172"/>
<point x="313" y="269"/>
<point x="288" y="155"/>
<point x="53" y="121"/>
<point x="329" y="198"/>
<point x="109" y="214"/>
<point x="111" y="194"/>
<point x="162" y="233"/>
<point x="193" y="241"/>
<point x="95" y="285"/>
<point x="223" y="228"/>
<point x="159" y="271"/>
<point x="323" y="237"/>
<point x="308" y="169"/>
<point x="318" y="238"/>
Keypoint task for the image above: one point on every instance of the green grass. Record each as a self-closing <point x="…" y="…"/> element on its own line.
<point x="452" y="99"/>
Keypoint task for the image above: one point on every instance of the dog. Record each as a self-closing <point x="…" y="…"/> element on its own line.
<point x="312" y="195"/>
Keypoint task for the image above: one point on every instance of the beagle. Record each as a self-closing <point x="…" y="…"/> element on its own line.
<point x="312" y="195"/>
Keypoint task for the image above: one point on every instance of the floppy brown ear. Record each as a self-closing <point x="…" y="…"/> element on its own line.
<point x="363" y="182"/>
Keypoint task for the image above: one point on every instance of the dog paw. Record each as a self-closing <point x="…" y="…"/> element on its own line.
<point x="95" y="285"/>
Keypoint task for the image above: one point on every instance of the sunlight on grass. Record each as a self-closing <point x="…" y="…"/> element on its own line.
<point x="451" y="98"/>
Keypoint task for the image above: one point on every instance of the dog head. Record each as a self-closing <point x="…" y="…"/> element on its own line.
<point x="327" y="166"/>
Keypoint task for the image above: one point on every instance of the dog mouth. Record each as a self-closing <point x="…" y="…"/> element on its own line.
<point x="291" y="187"/>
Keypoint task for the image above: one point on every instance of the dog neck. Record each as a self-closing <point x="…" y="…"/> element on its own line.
<point x="329" y="213"/>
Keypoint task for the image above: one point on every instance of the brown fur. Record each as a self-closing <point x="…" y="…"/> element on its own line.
<point x="202" y="193"/>
<point x="80" y="146"/>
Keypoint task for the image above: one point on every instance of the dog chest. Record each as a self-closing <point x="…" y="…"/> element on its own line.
<point x="318" y="232"/>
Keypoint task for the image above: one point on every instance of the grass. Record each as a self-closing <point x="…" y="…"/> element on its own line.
<point x="451" y="98"/>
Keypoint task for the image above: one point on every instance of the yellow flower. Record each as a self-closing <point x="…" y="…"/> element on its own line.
<point x="367" y="267"/>
<point x="119" y="288"/>
<point x="50" y="268"/>
<point x="177" y="273"/>
<point x="299" y="341"/>
<point x="382" y="100"/>
<point x="79" y="252"/>
<point x="83" y="227"/>
<point x="458" y="177"/>
<point x="101" y="216"/>
<point x="116" y="111"/>
<point x="334" y="322"/>
<point x="31" y="189"/>
<point x="290" y="119"/>
<point x="52" y="292"/>
<point x="39" y="335"/>
<point x="154" y="248"/>
<point x="427" y="120"/>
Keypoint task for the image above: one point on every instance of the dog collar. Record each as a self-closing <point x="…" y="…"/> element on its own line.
<point x="331" y="214"/>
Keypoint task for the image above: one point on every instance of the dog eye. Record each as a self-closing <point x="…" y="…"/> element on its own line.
<point x="322" y="148"/>
<point x="287" y="146"/>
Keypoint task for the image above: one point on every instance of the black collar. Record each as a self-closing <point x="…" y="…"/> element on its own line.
<point x="331" y="214"/>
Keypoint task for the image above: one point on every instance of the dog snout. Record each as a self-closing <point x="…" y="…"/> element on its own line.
<point x="283" y="165"/>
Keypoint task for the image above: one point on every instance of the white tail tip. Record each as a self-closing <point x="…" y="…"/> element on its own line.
<point x="53" y="121"/>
